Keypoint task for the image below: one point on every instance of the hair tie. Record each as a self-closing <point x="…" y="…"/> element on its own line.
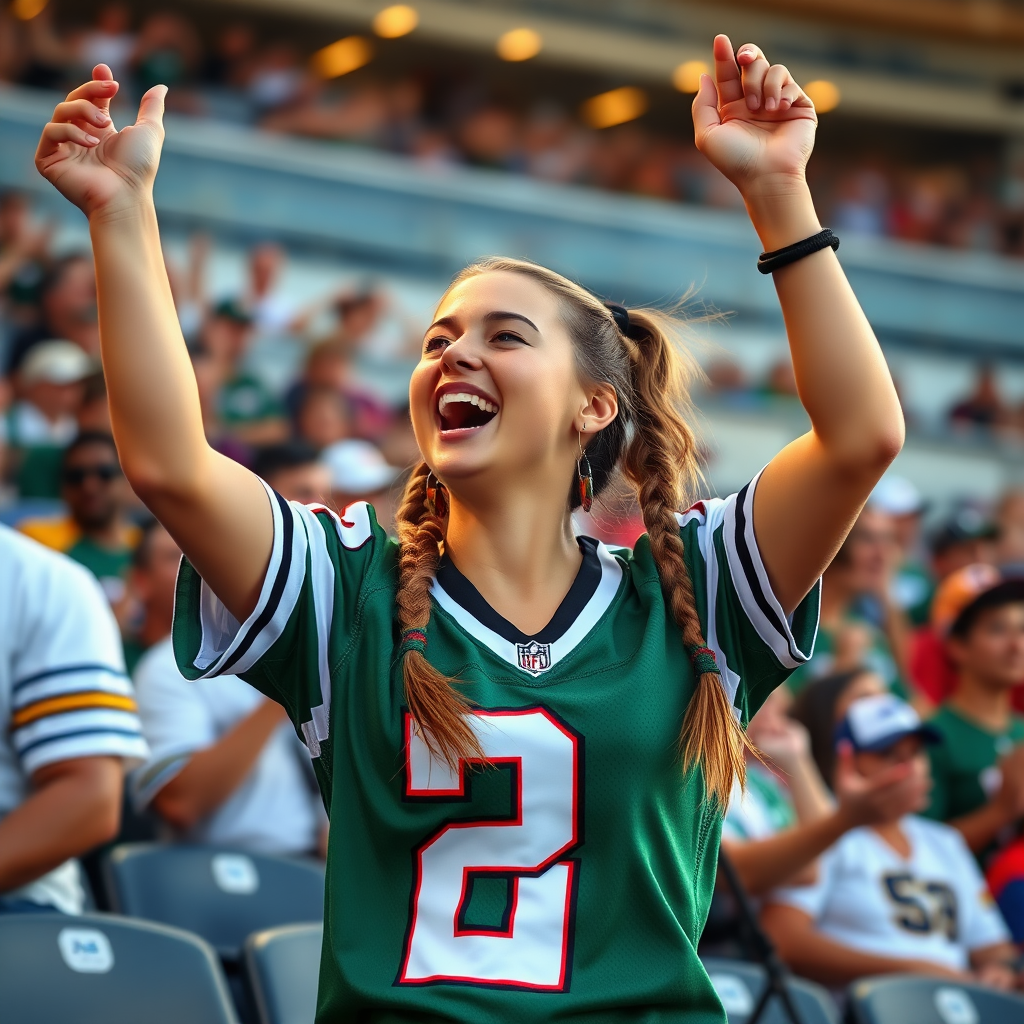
<point x="413" y="640"/>
<point x="621" y="317"/>
<point x="703" y="660"/>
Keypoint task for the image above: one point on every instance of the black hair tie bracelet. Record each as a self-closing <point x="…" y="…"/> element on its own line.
<point x="769" y="262"/>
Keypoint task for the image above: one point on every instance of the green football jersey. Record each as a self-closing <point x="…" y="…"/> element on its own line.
<point x="571" y="877"/>
<point x="964" y="764"/>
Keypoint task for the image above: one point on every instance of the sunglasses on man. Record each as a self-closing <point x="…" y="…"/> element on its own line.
<point x="75" y="476"/>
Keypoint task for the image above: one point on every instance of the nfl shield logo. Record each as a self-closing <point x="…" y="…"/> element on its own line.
<point x="534" y="657"/>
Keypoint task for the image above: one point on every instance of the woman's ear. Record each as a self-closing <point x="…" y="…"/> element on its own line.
<point x="602" y="407"/>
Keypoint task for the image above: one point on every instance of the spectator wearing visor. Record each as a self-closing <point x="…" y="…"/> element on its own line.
<point x="978" y="766"/>
<point x="903" y="895"/>
<point x="359" y="472"/>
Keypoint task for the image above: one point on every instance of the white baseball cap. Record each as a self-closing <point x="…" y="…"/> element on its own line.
<point x="897" y="496"/>
<point x="57" y="362"/>
<point x="879" y="722"/>
<point x="358" y="467"/>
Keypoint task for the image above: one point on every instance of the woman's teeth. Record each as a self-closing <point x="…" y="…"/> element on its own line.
<point x="476" y="400"/>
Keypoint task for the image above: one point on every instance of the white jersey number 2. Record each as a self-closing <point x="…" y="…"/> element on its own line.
<point x="531" y="948"/>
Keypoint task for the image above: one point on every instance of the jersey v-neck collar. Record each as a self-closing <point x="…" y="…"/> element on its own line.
<point x="591" y="593"/>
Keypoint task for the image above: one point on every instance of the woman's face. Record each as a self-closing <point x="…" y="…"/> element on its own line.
<point x="496" y="401"/>
<point x="866" y="684"/>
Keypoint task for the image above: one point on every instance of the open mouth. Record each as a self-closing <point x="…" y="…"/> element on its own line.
<point x="463" y="411"/>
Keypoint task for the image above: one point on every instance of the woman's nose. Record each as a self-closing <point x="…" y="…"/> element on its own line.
<point x="461" y="354"/>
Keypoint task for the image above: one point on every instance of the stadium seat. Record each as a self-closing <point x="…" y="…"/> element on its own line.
<point x="102" y="969"/>
<point x="739" y="985"/>
<point x="282" y="966"/>
<point x="912" y="999"/>
<point x="221" y="895"/>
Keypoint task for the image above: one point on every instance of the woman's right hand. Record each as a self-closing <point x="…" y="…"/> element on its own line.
<point x="99" y="169"/>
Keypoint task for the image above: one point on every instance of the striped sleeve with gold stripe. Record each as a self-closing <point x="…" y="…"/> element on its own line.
<point x="76" y="710"/>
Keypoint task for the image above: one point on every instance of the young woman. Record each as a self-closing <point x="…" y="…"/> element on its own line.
<point x="524" y="739"/>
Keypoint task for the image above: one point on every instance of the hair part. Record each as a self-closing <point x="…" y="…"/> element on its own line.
<point x="652" y="443"/>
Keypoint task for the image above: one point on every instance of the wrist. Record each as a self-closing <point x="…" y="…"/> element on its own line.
<point x="129" y="210"/>
<point x="782" y="213"/>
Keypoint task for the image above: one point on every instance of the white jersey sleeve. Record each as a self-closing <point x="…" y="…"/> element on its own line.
<point x="63" y="666"/>
<point x="981" y="923"/>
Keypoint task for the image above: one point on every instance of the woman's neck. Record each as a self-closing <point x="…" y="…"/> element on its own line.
<point x="521" y="555"/>
<point x="893" y="836"/>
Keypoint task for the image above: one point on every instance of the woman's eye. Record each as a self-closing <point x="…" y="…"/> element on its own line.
<point x="506" y="336"/>
<point x="435" y="343"/>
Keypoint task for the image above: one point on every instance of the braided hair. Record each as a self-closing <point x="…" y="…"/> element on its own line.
<point x="652" y="444"/>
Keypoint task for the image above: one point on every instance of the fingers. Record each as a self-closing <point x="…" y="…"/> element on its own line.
<point x="151" y="106"/>
<point x="57" y="132"/>
<point x="727" y="72"/>
<point x="705" y="108"/>
<point x="98" y="91"/>
<point x="81" y="112"/>
<point x="753" y="69"/>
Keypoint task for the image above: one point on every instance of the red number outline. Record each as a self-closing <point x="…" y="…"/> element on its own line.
<point x="464" y="794"/>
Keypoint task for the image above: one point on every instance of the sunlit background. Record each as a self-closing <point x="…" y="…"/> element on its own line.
<point x="393" y="144"/>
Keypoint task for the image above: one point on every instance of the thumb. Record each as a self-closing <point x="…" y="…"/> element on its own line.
<point x="151" y="107"/>
<point x="705" y="108"/>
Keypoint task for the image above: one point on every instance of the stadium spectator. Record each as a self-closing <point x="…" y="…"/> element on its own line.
<point x="68" y="725"/>
<point x="359" y="472"/>
<point x="272" y="312"/>
<point x="978" y="767"/>
<point x="901" y="896"/>
<point x="95" y="532"/>
<point x="860" y="624"/>
<point x="1009" y="519"/>
<point x="23" y="264"/>
<point x="110" y="41"/>
<point x="67" y="309"/>
<point x="245" y="407"/>
<point x="912" y="584"/>
<point x="41" y="423"/>
<point x="151" y="588"/>
<point x="822" y="705"/>
<point x="324" y="417"/>
<point x="225" y="766"/>
<point x="295" y="470"/>
<point x="984" y="406"/>
<point x="785" y="818"/>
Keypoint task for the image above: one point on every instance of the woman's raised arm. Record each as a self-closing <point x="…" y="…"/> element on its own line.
<point x="215" y="509"/>
<point x="757" y="126"/>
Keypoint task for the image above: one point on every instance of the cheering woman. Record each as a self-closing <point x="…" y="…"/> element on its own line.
<point x="524" y="739"/>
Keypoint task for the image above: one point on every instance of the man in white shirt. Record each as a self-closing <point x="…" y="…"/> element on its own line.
<point x="67" y="725"/>
<point x="902" y="896"/>
<point x="226" y="768"/>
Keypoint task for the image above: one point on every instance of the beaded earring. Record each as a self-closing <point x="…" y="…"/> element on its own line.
<point x="437" y="497"/>
<point x="586" y="479"/>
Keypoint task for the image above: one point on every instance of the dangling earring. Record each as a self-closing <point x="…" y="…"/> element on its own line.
<point x="586" y="479"/>
<point x="437" y="497"/>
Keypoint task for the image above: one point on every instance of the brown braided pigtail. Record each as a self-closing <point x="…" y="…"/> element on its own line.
<point x="660" y="461"/>
<point x="435" y="704"/>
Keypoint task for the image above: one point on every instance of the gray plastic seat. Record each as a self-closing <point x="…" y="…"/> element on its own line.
<point x="739" y="985"/>
<point x="222" y="895"/>
<point x="282" y="966"/>
<point x="914" y="999"/>
<point x="103" y="969"/>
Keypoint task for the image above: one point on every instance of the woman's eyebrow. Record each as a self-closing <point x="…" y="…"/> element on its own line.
<point x="502" y="315"/>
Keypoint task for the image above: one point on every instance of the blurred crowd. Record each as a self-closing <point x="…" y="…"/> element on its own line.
<point x="900" y="745"/>
<point x="452" y="117"/>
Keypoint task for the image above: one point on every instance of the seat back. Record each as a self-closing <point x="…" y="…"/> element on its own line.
<point x="282" y="966"/>
<point x="221" y="895"/>
<point x="912" y="999"/>
<point x="102" y="969"/>
<point x="739" y="985"/>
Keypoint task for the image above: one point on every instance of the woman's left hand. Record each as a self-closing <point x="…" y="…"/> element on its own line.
<point x="753" y="121"/>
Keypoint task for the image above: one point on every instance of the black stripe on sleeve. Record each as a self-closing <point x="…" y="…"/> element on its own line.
<point x="750" y="572"/>
<point x="65" y="670"/>
<point x="270" y="610"/>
